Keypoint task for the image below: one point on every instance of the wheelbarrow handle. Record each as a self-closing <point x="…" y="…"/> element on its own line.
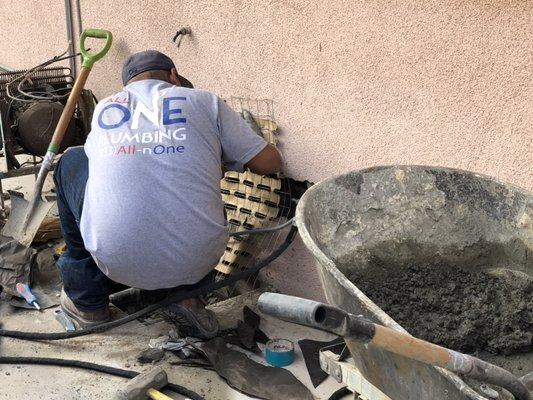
<point x="353" y="327"/>
<point x="90" y="58"/>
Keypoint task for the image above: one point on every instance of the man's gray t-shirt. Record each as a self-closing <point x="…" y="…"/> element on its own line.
<point x="153" y="215"/>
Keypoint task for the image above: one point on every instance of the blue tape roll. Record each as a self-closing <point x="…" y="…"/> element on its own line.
<point x="279" y="352"/>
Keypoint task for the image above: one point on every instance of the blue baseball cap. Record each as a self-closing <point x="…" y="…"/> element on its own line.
<point x="147" y="61"/>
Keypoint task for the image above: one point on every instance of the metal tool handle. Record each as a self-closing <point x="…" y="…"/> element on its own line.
<point x="90" y="58"/>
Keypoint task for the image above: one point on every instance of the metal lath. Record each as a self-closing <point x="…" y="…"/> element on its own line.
<point x="253" y="201"/>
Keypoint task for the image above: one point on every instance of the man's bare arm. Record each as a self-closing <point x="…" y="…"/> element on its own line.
<point x="266" y="162"/>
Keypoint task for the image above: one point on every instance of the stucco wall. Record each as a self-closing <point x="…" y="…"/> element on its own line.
<point x="355" y="83"/>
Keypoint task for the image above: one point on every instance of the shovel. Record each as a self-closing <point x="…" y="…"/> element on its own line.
<point x="26" y="216"/>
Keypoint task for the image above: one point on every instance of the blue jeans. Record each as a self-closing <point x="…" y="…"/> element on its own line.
<point x="83" y="282"/>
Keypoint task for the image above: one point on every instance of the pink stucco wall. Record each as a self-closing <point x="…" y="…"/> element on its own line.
<point x="355" y="83"/>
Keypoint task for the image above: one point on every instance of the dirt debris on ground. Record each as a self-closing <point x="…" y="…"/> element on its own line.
<point x="150" y="356"/>
<point x="468" y="311"/>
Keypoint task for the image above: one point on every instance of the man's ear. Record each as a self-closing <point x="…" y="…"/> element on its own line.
<point x="174" y="77"/>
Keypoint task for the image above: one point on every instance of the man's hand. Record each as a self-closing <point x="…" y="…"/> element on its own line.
<point x="250" y="120"/>
<point x="266" y="162"/>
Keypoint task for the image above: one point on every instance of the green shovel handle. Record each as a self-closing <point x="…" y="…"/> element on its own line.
<point x="90" y="58"/>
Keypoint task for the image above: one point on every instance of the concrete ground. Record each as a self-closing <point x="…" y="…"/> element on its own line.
<point x="119" y="347"/>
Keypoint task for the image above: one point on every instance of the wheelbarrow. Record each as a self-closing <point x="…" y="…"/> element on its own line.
<point x="399" y="215"/>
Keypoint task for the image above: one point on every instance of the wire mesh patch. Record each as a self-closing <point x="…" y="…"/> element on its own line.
<point x="252" y="201"/>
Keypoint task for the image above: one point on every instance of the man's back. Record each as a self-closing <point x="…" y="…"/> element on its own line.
<point x="153" y="215"/>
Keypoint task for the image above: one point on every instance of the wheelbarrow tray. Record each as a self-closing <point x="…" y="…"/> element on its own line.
<point x="399" y="215"/>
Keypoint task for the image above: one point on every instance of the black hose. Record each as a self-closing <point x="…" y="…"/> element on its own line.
<point x="123" y="373"/>
<point x="173" y="298"/>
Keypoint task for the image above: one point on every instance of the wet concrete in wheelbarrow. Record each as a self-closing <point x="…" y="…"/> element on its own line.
<point x="488" y="315"/>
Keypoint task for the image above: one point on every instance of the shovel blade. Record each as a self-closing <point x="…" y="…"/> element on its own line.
<point x="25" y="218"/>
